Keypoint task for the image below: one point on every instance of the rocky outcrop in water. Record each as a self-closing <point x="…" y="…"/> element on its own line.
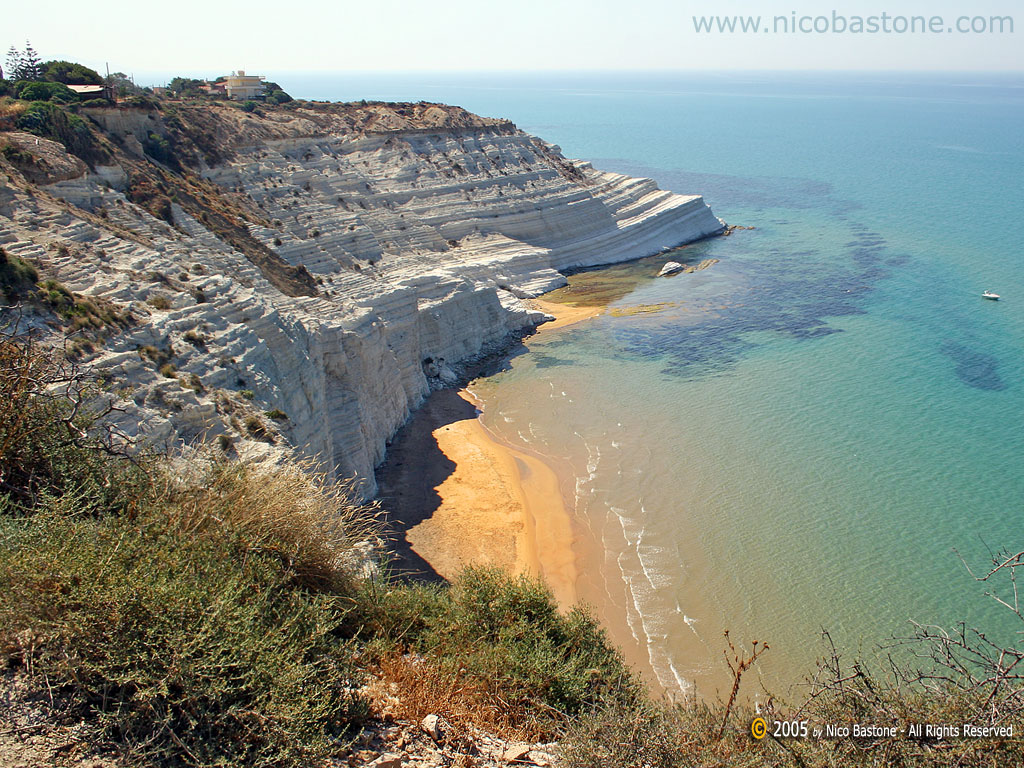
<point x="293" y="278"/>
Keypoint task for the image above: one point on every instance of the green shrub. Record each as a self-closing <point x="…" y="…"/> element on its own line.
<point x="48" y="120"/>
<point x="274" y="94"/>
<point x="48" y="448"/>
<point x="247" y="394"/>
<point x="70" y="73"/>
<point x="502" y="638"/>
<point x="276" y="414"/>
<point x="160" y="149"/>
<point x="59" y="298"/>
<point x="141" y="101"/>
<point x="17" y="276"/>
<point x="168" y="370"/>
<point x="18" y="156"/>
<point x="82" y="312"/>
<point x="186" y="87"/>
<point x="40" y="91"/>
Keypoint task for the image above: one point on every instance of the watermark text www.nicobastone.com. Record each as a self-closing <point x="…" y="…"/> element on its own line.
<point x="837" y="24"/>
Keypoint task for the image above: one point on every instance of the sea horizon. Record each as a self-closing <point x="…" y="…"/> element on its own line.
<point x="487" y="386"/>
<point x="788" y="441"/>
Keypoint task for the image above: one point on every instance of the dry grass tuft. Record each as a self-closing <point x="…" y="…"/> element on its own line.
<point x="417" y="688"/>
<point x="314" y="526"/>
<point x="11" y="109"/>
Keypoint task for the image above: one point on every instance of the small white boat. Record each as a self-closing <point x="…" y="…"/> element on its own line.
<point x="990" y="295"/>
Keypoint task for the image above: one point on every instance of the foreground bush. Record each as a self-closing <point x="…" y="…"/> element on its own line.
<point x="493" y="649"/>
<point x="50" y="441"/>
<point x="207" y="613"/>
<point x="182" y="646"/>
<point x="191" y="619"/>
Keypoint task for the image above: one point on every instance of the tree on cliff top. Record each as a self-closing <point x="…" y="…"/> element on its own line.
<point x="70" y="73"/>
<point x="23" y="65"/>
<point x="13" y="63"/>
<point x="186" y="87"/>
<point x="274" y="94"/>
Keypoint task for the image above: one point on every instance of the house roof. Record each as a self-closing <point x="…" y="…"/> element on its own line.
<point x="86" y="88"/>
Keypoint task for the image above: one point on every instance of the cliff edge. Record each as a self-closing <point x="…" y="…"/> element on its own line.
<point x="295" y="279"/>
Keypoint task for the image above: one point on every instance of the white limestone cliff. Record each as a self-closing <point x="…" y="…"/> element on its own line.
<point x="421" y="242"/>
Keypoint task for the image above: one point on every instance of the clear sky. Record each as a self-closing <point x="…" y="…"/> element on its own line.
<point x="189" y="36"/>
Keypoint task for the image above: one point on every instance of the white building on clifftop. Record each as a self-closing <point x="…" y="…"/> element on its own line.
<point x="242" y="87"/>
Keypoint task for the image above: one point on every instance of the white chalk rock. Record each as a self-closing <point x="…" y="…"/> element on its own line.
<point x="422" y="246"/>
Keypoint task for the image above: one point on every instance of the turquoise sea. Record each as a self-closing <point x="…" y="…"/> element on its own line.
<point x="804" y="433"/>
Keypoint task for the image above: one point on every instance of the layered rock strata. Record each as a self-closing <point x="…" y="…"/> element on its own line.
<point x="421" y="237"/>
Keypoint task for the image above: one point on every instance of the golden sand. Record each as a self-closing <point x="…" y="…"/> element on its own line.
<point x="500" y="505"/>
<point x="564" y="314"/>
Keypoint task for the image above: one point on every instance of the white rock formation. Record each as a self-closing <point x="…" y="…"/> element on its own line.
<point x="422" y="245"/>
<point x="670" y="268"/>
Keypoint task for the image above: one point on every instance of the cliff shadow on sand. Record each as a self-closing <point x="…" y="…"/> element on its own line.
<point x="425" y="459"/>
<point x="410" y="475"/>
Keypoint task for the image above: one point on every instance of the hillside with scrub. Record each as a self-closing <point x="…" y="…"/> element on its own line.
<point x="189" y="609"/>
<point x="214" y="317"/>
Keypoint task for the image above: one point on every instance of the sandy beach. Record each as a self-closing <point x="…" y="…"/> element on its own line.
<point x="564" y="314"/>
<point x="456" y="495"/>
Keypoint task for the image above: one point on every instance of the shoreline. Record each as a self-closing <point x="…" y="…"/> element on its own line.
<point x="463" y="496"/>
<point x="475" y="497"/>
<point x="564" y="314"/>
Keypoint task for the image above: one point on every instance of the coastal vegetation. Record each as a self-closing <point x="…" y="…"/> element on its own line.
<point x="207" y="612"/>
<point x="20" y="283"/>
<point x="30" y="79"/>
<point x="196" y="610"/>
<point x="222" y="615"/>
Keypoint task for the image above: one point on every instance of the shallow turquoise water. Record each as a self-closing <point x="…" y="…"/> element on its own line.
<point x="804" y="435"/>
